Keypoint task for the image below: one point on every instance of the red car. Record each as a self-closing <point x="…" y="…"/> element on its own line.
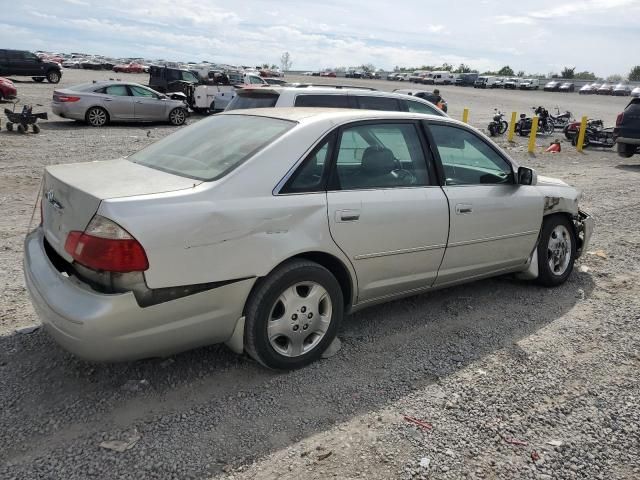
<point x="8" y="90"/>
<point x="129" y="68"/>
<point x="328" y="74"/>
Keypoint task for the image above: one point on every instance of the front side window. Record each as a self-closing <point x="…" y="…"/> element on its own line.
<point x="255" y="80"/>
<point x="467" y="159"/>
<point x="142" y="92"/>
<point x="189" y="77"/>
<point x="327" y="101"/>
<point x="211" y="148"/>
<point x="378" y="103"/>
<point x="380" y="156"/>
<point x="117" y="90"/>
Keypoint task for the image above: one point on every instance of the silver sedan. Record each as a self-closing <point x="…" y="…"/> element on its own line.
<point x="262" y="228"/>
<point x="102" y="102"/>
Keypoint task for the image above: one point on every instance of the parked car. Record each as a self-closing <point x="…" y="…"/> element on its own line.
<point x="552" y="86"/>
<point x="328" y="74"/>
<point x="498" y="83"/>
<point x="627" y="130"/>
<point x="129" y="68"/>
<point x="102" y="102"/>
<point x="589" y="89"/>
<point x="71" y="63"/>
<point x="324" y="192"/>
<point x="567" y="87"/>
<point x="466" y="79"/>
<point x="635" y="92"/>
<point x="418" y="76"/>
<point x="621" y="90"/>
<point x="275" y="81"/>
<point x="430" y="97"/>
<point x="8" y="90"/>
<point x="487" y="82"/>
<point x="21" y="63"/>
<point x="439" y="78"/>
<point x="530" y="84"/>
<point x="512" y="83"/>
<point x="393" y="76"/>
<point x="165" y="79"/>
<point x="337" y="96"/>
<point x="605" y="89"/>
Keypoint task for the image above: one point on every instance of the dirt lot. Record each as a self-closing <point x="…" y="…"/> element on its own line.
<point x="515" y="380"/>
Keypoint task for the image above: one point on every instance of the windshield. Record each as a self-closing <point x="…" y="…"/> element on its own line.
<point x="211" y="148"/>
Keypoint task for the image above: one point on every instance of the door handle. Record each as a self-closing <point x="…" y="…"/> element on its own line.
<point x="464" y="208"/>
<point x="138" y="101"/>
<point x="108" y="99"/>
<point x="347" y="215"/>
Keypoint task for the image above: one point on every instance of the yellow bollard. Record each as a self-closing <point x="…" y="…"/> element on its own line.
<point x="532" y="135"/>
<point x="583" y="129"/>
<point x="512" y="126"/>
<point x="465" y="115"/>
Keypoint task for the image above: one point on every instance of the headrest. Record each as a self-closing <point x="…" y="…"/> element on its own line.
<point x="378" y="160"/>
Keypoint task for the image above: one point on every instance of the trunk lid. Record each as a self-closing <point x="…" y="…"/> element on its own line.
<point x="72" y="193"/>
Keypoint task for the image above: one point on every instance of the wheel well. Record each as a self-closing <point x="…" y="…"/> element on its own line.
<point x="337" y="268"/>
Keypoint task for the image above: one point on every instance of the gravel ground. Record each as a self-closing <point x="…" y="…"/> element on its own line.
<point x="506" y="379"/>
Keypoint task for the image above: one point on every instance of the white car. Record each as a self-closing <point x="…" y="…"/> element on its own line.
<point x="330" y="96"/>
<point x="262" y="228"/>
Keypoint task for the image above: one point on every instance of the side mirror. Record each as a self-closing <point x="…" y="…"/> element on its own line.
<point x="527" y="176"/>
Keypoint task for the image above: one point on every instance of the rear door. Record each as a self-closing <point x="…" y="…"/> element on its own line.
<point x="147" y="105"/>
<point x="385" y="211"/>
<point x="494" y="222"/>
<point x="118" y="102"/>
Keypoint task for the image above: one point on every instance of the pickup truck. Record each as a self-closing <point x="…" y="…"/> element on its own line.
<point x="21" y="63"/>
<point x="627" y="130"/>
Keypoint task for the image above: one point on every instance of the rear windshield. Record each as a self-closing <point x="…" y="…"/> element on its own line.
<point x="253" y="100"/>
<point x="211" y="148"/>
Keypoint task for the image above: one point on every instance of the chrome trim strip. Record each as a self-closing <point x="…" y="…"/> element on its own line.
<point x="490" y="239"/>
<point x="398" y="252"/>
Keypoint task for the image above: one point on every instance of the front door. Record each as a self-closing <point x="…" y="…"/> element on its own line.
<point x="494" y="221"/>
<point x="148" y="105"/>
<point x="386" y="212"/>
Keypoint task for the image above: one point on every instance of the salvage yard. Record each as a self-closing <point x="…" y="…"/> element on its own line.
<point x="495" y="379"/>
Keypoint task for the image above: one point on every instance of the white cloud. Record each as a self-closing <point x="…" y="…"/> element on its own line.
<point x="514" y="20"/>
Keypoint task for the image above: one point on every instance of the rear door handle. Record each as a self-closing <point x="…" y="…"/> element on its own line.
<point x="347" y="215"/>
<point x="108" y="99"/>
<point x="464" y="208"/>
<point x="139" y="101"/>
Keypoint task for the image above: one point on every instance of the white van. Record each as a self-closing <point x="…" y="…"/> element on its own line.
<point x="530" y="84"/>
<point x="487" y="82"/>
<point x="440" y="78"/>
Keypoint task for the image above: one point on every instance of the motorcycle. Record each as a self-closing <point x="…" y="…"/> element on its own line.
<point x="560" y="120"/>
<point x="596" y="136"/>
<point x="498" y="125"/>
<point x="545" y="125"/>
<point x="572" y="128"/>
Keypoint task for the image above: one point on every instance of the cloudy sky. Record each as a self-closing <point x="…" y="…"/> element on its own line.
<point x="539" y="37"/>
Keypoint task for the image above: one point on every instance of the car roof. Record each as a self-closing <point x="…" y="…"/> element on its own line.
<point x="336" y="115"/>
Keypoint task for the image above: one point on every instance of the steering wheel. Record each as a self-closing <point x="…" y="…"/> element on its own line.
<point x="405" y="176"/>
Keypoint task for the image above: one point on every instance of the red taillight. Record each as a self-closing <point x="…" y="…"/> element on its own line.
<point x="104" y="245"/>
<point x="619" y="119"/>
<point x="65" y="98"/>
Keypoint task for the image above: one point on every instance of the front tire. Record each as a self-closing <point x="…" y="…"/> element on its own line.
<point x="556" y="250"/>
<point x="53" y="76"/>
<point x="503" y="126"/>
<point x="97" y="117"/>
<point x="177" y="116"/>
<point x="293" y="315"/>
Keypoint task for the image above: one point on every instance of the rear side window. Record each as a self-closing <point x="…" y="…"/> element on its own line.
<point x="417" y="107"/>
<point x="211" y="148"/>
<point x="253" y="100"/>
<point x="311" y="175"/>
<point x="378" y="103"/>
<point x="328" y="101"/>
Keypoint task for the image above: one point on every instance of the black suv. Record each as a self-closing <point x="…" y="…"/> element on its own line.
<point x="26" y="64"/>
<point x="627" y="130"/>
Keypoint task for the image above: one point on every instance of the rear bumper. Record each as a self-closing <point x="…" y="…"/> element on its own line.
<point x="628" y="140"/>
<point x="113" y="327"/>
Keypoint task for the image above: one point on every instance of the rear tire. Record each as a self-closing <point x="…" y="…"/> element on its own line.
<point x="97" y="117"/>
<point x="9" y="126"/>
<point x="53" y="76"/>
<point x="556" y="250"/>
<point x="624" y="150"/>
<point x="293" y="315"/>
<point x="21" y="128"/>
<point x="503" y="126"/>
<point x="35" y="128"/>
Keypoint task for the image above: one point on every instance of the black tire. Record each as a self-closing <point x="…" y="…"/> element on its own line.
<point x="492" y="129"/>
<point x="53" y="76"/>
<point x="38" y="79"/>
<point x="9" y="126"/>
<point x="212" y="108"/>
<point x="626" y="151"/>
<point x="177" y="116"/>
<point x="503" y="126"/>
<point x="35" y="128"/>
<point x="263" y="300"/>
<point x="97" y="117"/>
<point x="21" y="128"/>
<point x="585" y="142"/>
<point x="547" y="276"/>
